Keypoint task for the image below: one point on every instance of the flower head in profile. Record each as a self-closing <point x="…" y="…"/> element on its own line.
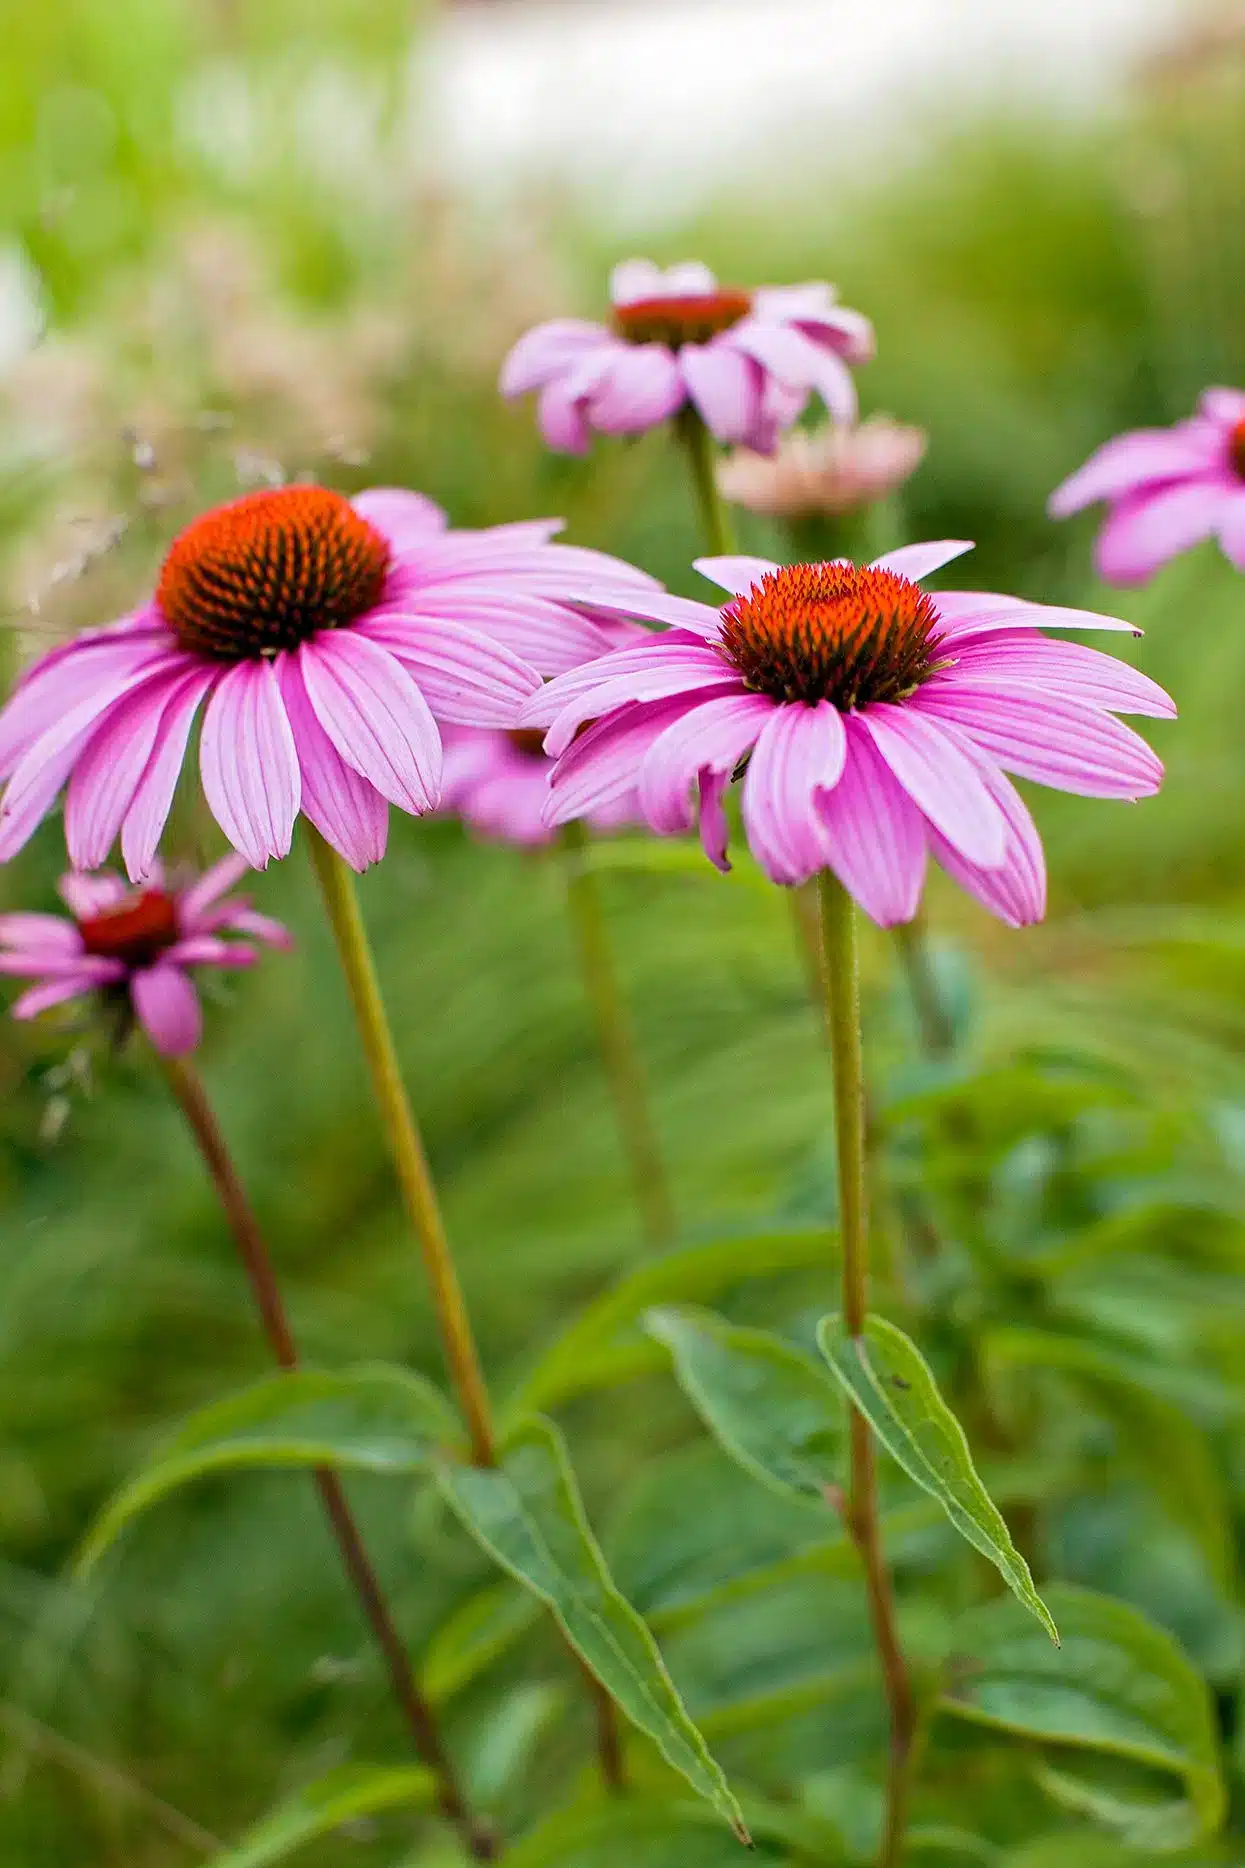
<point x="1166" y="489"/>
<point x="747" y="362"/>
<point x="873" y="724"/>
<point x="830" y="470"/>
<point x="323" y="638"/>
<point x="136" y="947"/>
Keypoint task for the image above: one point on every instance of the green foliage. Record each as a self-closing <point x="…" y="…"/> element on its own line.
<point x="345" y="1796"/>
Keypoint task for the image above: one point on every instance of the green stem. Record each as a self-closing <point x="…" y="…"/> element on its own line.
<point x="702" y="458"/>
<point x="414" y="1176"/>
<point x="933" y="1020"/>
<point x="616" y="1038"/>
<point x="842" y="981"/>
<point x="189" y="1094"/>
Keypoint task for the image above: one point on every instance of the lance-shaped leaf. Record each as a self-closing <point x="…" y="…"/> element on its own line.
<point x="1119" y="1686"/>
<point x="527" y="1513"/>
<point x="770" y="1406"/>
<point x="374" y="1418"/>
<point x="342" y="1796"/>
<point x="479" y="1631"/>
<point x="888" y="1379"/>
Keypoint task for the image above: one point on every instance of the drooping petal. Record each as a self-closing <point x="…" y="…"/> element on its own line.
<point x="551" y="637"/>
<point x="696" y="674"/>
<point x="249" y="764"/>
<point x="153" y="796"/>
<point x="168" y="1008"/>
<point x="710" y="737"/>
<point x="737" y="573"/>
<point x="403" y="517"/>
<point x="725" y="387"/>
<point x="603" y="764"/>
<point x="1149" y="527"/>
<point x="545" y="351"/>
<point x="875" y="836"/>
<point x="108" y="771"/>
<point x="94" y="670"/>
<point x="715" y="830"/>
<point x="1070" y="668"/>
<point x="40" y="934"/>
<point x="800" y="752"/>
<point x="1049" y="738"/>
<point x="942" y="783"/>
<point x="1016" y="889"/>
<point x="466" y="677"/>
<point x="918" y="561"/>
<point x="1232" y="528"/>
<point x="641" y="388"/>
<point x="1146" y="456"/>
<point x="349" y="813"/>
<point x="372" y="710"/>
<point x="561" y="419"/>
<point x="53" y="992"/>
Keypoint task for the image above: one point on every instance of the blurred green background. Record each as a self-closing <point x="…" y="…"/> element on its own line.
<point x="242" y="274"/>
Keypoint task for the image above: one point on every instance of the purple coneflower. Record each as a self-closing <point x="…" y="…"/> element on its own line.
<point x="497" y="782"/>
<point x="832" y="470"/>
<point x="327" y="637"/>
<point x="873" y="723"/>
<point x="747" y="362"/>
<point x="1166" y="489"/>
<point x="136" y="947"/>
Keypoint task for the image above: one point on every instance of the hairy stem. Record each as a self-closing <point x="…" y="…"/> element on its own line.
<point x="617" y="1039"/>
<point x="419" y="1195"/>
<point x="842" y="980"/>
<point x="188" y="1091"/>
<point x="701" y="454"/>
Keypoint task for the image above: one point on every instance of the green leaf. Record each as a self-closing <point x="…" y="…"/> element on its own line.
<point x="1141" y="1815"/>
<point x="890" y="1382"/>
<point x="1120" y="1686"/>
<point x="1155" y="1434"/>
<point x="479" y="1631"/>
<point x="770" y="1406"/>
<point x="528" y="1515"/>
<point x="374" y="1418"/>
<point x="658" y="1833"/>
<point x="344" y="1795"/>
<point x="590" y="1353"/>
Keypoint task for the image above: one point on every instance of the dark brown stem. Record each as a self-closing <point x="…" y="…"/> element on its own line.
<point x="609" y="1737"/>
<point x="192" y="1100"/>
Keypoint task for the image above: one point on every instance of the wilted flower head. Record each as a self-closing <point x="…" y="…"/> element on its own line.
<point x="831" y="470"/>
<point x="327" y="637"/>
<point x="747" y="362"/>
<point x="873" y="723"/>
<point x="1166" y="489"/>
<point x="137" y="947"/>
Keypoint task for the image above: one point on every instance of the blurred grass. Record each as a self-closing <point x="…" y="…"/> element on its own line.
<point x="243" y="271"/>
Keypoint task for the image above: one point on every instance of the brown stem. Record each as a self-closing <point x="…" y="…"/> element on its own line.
<point x="192" y="1099"/>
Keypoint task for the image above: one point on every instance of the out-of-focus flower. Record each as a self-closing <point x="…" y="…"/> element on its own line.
<point x="498" y="784"/>
<point x="831" y="470"/>
<point x="327" y="637"/>
<point x="137" y="945"/>
<point x="875" y="722"/>
<point x="747" y="362"/>
<point x="1166" y="489"/>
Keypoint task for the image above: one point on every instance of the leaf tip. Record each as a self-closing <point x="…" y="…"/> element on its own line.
<point x="742" y="1834"/>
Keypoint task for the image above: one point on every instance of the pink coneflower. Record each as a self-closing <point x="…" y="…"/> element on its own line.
<point x="874" y="724"/>
<point x="327" y="637"/>
<point x="137" y="947"/>
<point x="832" y="470"/>
<point x="746" y="361"/>
<point x="497" y="782"/>
<point x="1166" y="489"/>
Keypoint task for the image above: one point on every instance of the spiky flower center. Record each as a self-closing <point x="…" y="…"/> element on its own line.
<point x="1236" y="447"/>
<point x="681" y="318"/>
<point x="137" y="931"/>
<point x="530" y="741"/>
<point x="814" y="632"/>
<point x="269" y="570"/>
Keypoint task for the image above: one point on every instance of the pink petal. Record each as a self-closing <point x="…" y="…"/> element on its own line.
<point x="349" y="813"/>
<point x="715" y="830"/>
<point x="1085" y="674"/>
<point x="1232" y="528"/>
<point x="108" y="771"/>
<point x="737" y="574"/>
<point x="641" y="388"/>
<point x="168" y="1008"/>
<point x="800" y="752"/>
<point x="153" y="795"/>
<point x="1049" y="738"/>
<point x="693" y="672"/>
<point x="1226" y="406"/>
<point x="54" y="992"/>
<point x="918" y="561"/>
<point x="966" y="616"/>
<point x="680" y="613"/>
<point x="848" y="333"/>
<point x="248" y="762"/>
<point x="546" y="350"/>
<point x="375" y="715"/>
<point x="603" y="765"/>
<point x="209" y="950"/>
<point x="711" y="737"/>
<point x="93" y="669"/>
<point x="725" y="388"/>
<point x="85" y="896"/>
<point x="41" y="934"/>
<point x="634" y="279"/>
<point x="404" y="518"/>
<point x="261" y="927"/>
<point x="465" y="677"/>
<point x="941" y="782"/>
<point x="549" y="636"/>
<point x="212" y="884"/>
<point x="874" y="834"/>
<point x="1016" y="890"/>
<point x="1148" y="455"/>
<point x="561" y="419"/>
<point x="1150" y="527"/>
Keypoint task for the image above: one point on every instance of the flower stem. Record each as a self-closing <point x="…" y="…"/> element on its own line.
<point x="714" y="517"/>
<point x="842" y="978"/>
<point x="932" y="1017"/>
<point x="189" y="1094"/>
<point x="414" y="1176"/>
<point x="616" y="1038"/>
